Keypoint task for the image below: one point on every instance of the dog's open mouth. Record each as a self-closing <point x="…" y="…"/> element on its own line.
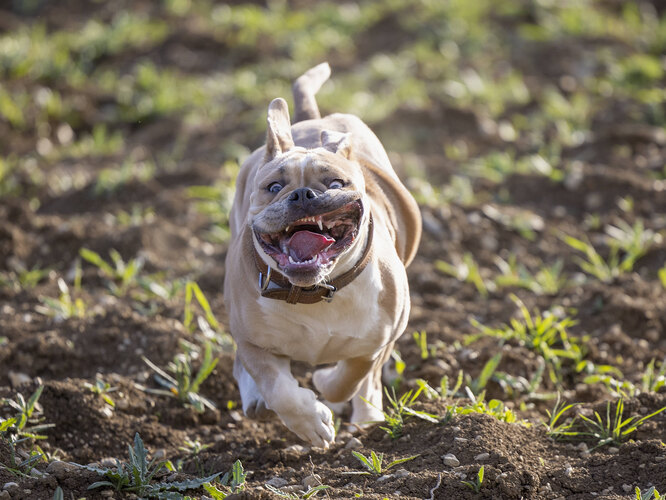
<point x="313" y="242"/>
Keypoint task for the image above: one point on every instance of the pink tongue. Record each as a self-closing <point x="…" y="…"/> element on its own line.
<point x="304" y="245"/>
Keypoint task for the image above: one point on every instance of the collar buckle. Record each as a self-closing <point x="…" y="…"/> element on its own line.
<point x="265" y="281"/>
<point x="331" y="291"/>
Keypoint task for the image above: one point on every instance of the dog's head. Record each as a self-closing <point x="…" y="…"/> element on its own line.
<point x="308" y="206"/>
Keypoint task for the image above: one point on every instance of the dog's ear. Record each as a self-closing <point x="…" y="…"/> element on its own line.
<point x="278" y="136"/>
<point x="337" y="142"/>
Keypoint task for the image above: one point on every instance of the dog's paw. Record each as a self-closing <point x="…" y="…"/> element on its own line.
<point x="314" y="424"/>
<point x="256" y="408"/>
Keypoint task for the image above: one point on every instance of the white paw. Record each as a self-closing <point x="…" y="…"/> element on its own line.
<point x="312" y="423"/>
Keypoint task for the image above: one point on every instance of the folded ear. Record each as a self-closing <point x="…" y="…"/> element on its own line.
<point x="278" y="136"/>
<point x="337" y="142"/>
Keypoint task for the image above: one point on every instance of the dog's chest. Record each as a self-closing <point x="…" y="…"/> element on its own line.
<point x="351" y="325"/>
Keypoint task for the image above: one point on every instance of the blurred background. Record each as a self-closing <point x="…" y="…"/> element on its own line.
<point x="457" y="89"/>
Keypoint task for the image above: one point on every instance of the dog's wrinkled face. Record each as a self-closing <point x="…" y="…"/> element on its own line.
<point x="307" y="205"/>
<point x="306" y="211"/>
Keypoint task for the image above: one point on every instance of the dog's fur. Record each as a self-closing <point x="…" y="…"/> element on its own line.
<point x="358" y="327"/>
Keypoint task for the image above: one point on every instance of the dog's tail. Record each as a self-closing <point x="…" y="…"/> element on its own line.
<point x="304" y="89"/>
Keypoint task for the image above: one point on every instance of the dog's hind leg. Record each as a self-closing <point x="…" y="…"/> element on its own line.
<point x="357" y="379"/>
<point x="304" y="89"/>
<point x="367" y="403"/>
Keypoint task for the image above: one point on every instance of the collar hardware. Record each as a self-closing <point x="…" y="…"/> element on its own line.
<point x="265" y="281"/>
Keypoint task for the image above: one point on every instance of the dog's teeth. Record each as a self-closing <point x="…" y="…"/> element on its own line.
<point x="291" y="260"/>
<point x="286" y="229"/>
<point x="320" y="224"/>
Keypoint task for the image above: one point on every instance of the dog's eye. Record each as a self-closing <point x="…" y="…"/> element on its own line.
<point x="274" y="187"/>
<point x="336" y="184"/>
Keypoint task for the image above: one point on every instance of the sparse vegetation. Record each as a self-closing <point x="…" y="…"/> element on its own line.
<point x="531" y="135"/>
<point x="478" y="481"/>
<point x="103" y="389"/>
<point x="65" y="306"/>
<point x="20" y="431"/>
<point x="544" y="333"/>
<point x="185" y="384"/>
<point x="648" y="494"/>
<point x="375" y="462"/>
<point x="399" y="409"/>
<point x="555" y="426"/>
<point x="615" y="427"/>
<point x="136" y="475"/>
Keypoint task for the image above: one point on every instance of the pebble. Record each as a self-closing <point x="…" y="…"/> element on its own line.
<point x="459" y="440"/>
<point x="277" y="482"/>
<point x="450" y="460"/>
<point x="4" y="495"/>
<point x="582" y="447"/>
<point x="354" y="444"/>
<point x="106" y="412"/>
<point x="108" y="462"/>
<point x="106" y="493"/>
<point x="400" y="473"/>
<point x="236" y="416"/>
<point x="385" y="477"/>
<point x="297" y="448"/>
<point x="627" y="488"/>
<point x="568" y="471"/>
<point x="37" y="473"/>
<point x="613" y="450"/>
<point x="10" y="486"/>
<point x="481" y="457"/>
<point x="311" y="481"/>
<point x="343" y="436"/>
<point x="17" y="378"/>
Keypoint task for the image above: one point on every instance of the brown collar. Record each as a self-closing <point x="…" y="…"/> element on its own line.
<point x="282" y="288"/>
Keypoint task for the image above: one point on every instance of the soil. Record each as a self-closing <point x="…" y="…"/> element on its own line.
<point x="623" y="321"/>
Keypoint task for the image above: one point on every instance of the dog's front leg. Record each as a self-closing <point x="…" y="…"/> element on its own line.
<point x="296" y="406"/>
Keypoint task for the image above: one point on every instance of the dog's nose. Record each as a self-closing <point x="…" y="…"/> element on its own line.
<point x="302" y="195"/>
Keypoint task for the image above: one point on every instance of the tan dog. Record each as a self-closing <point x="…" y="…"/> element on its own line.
<point x="322" y="229"/>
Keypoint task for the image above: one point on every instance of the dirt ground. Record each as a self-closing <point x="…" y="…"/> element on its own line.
<point x="623" y="320"/>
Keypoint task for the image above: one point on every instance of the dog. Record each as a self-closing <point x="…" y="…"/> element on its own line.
<point x="322" y="230"/>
